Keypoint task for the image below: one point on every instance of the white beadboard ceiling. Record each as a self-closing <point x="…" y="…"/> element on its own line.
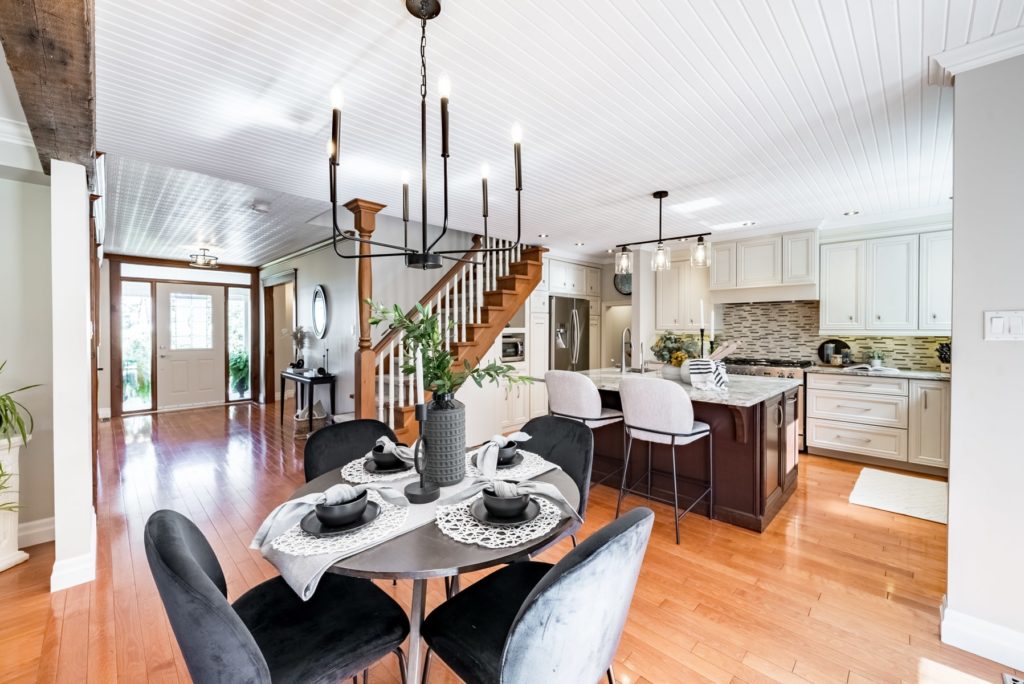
<point x="788" y="112"/>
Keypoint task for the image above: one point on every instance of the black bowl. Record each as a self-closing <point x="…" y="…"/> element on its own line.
<point x="505" y="507"/>
<point x="507" y="453"/>
<point x="342" y="514"/>
<point x="384" y="460"/>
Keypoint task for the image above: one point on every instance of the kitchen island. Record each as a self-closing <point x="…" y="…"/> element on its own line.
<point x="754" y="423"/>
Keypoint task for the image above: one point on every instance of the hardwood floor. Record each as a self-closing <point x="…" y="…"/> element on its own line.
<point x="829" y="593"/>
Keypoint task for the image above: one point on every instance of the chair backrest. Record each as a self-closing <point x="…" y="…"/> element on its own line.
<point x="569" y="627"/>
<point x="335" y="445"/>
<point x="572" y="394"/>
<point x="656" y="404"/>
<point x="569" y="444"/>
<point x="215" y="642"/>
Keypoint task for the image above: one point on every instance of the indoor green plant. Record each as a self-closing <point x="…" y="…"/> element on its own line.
<point x="13" y="416"/>
<point x="238" y="368"/>
<point x="444" y="432"/>
<point x="875" y="358"/>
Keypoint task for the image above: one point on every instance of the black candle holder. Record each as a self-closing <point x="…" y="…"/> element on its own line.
<point x="702" y="343"/>
<point x="423" y="491"/>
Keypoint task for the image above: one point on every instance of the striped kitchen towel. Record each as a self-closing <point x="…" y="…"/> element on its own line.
<point x="707" y="374"/>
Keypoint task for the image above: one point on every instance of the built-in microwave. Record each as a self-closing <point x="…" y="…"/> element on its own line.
<point x="513" y="347"/>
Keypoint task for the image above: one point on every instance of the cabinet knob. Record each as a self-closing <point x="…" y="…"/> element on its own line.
<point x="851" y="318"/>
<point x="878" y="317"/>
<point x="935" y="316"/>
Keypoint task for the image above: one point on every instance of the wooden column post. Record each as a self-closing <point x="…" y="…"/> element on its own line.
<point x="365" y="221"/>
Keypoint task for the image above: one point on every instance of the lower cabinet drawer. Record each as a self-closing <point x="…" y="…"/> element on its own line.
<point x="866" y="409"/>
<point x="880" y="442"/>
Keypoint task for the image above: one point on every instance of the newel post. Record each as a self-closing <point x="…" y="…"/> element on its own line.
<point x="365" y="221"/>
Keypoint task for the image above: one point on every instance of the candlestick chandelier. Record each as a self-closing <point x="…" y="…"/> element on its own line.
<point x="426" y="257"/>
<point x="661" y="260"/>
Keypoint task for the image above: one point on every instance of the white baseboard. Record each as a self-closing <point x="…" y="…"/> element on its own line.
<point x="69" y="572"/>
<point x="35" y="532"/>
<point x="983" y="638"/>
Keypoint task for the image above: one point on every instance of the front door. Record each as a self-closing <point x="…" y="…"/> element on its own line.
<point x="190" y="345"/>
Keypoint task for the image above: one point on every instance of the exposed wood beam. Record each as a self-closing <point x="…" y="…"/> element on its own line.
<point x="49" y="48"/>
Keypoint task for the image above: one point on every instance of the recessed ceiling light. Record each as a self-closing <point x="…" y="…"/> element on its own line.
<point x="610" y="251"/>
<point x="579" y="244"/>
<point x="852" y="212"/>
<point x="543" y="235"/>
<point x="695" y="205"/>
<point x="734" y="224"/>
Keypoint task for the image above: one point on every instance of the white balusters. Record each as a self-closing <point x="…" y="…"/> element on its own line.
<point x="397" y="372"/>
<point x="480" y="269"/>
<point x="391" y="383"/>
<point x="380" y="387"/>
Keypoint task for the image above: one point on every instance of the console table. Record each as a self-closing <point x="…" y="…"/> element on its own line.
<point x="306" y="383"/>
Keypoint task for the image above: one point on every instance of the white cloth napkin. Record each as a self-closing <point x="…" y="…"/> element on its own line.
<point x="487" y="457"/>
<point x="404" y="453"/>
<point x="285" y="516"/>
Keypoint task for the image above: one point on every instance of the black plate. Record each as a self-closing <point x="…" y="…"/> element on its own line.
<point x="312" y="524"/>
<point x="370" y="466"/>
<point x="479" y="511"/>
<point x="516" y="460"/>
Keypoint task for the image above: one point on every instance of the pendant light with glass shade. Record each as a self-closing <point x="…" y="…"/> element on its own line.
<point x="661" y="260"/>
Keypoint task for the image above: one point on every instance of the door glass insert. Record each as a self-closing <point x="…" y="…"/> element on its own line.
<point x="136" y="346"/>
<point x="239" y="329"/>
<point x="191" y="321"/>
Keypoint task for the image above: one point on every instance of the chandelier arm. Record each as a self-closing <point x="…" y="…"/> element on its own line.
<point x="500" y="250"/>
<point x="444" y="226"/>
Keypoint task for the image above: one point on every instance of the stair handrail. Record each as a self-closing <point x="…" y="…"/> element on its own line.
<point x="431" y="294"/>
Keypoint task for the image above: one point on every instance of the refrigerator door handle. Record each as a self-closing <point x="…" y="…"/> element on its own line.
<point x="572" y="337"/>
<point x="577" y="337"/>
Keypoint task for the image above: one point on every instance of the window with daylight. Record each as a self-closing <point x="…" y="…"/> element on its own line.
<point x="191" y="321"/>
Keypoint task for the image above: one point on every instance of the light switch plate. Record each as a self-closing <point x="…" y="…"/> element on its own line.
<point x="1004" y="325"/>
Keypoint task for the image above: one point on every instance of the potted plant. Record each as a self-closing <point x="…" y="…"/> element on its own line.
<point x="945" y="353"/>
<point x="238" y="369"/>
<point x="875" y="358"/>
<point x="16" y="426"/>
<point x="674" y="351"/>
<point x="444" y="432"/>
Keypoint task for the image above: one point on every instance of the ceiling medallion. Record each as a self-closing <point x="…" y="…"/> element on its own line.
<point x="426" y="257"/>
<point x="202" y="260"/>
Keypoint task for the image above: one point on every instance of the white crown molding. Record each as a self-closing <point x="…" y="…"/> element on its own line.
<point x="944" y="66"/>
<point x="15" y="132"/>
<point x="877" y="225"/>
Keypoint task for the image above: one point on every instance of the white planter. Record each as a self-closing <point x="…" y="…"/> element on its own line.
<point x="9" y="553"/>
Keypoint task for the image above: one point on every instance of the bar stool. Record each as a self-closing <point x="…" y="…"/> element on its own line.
<point x="573" y="395"/>
<point x="657" y="410"/>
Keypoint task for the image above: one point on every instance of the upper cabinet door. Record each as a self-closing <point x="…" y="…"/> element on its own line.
<point x="577" y="279"/>
<point x="892" y="283"/>
<point x="667" y="303"/>
<point x="936" y="298"/>
<point x="723" y="265"/>
<point x="842" y="285"/>
<point x="593" y="280"/>
<point x="545" y="277"/>
<point x="759" y="262"/>
<point x="559" y="273"/>
<point x="800" y="258"/>
<point x="694" y="288"/>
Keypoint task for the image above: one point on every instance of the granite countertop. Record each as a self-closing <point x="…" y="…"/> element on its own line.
<point x="907" y="374"/>
<point x="742" y="390"/>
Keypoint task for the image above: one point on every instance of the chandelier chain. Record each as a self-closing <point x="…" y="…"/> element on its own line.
<point x="423" y="50"/>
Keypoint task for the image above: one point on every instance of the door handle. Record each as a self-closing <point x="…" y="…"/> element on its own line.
<point x="163" y="356"/>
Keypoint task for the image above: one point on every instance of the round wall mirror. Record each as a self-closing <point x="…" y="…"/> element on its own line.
<point x="319" y="312"/>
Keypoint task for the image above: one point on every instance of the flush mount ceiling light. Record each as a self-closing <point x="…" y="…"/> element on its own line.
<point x="426" y="257"/>
<point x="734" y="224"/>
<point x="202" y="260"/>
<point x="661" y="260"/>
<point x="695" y="205"/>
<point x="852" y="212"/>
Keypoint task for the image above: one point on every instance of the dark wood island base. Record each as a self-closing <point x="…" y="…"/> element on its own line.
<point x="755" y="459"/>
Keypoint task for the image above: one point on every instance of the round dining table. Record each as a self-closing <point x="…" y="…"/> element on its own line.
<point x="425" y="552"/>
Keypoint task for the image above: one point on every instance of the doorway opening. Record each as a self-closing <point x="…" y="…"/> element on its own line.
<point x="280" y="318"/>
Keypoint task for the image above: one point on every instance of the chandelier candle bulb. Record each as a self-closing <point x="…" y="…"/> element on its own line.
<point x="444" y="113"/>
<point x="483" y="181"/>
<point x="405" y="196"/>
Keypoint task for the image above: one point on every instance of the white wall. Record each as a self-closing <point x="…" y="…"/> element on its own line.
<point x="393" y="283"/>
<point x="26" y="337"/>
<point x="985" y="593"/>
<point x="70" y="241"/>
<point x="103" y="348"/>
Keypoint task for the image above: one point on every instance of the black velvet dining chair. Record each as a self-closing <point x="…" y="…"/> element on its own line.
<point x="567" y="443"/>
<point x="534" y="622"/>
<point x="269" y="634"/>
<point x="335" y="445"/>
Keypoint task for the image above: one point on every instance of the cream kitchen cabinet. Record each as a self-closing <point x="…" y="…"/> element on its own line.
<point x="592" y="278"/>
<point x="935" y="312"/>
<point x="573" y="279"/>
<point x="800" y="258"/>
<point x="595" y="340"/>
<point x="517" y="406"/>
<point x="537" y="356"/>
<point x="678" y="293"/>
<point x="842" y="286"/>
<point x="929" y="423"/>
<point x="892" y="283"/>
<point x="723" y="265"/>
<point x="545" y="277"/>
<point x="759" y="262"/>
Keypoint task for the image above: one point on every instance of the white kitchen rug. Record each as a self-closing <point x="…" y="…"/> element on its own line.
<point x="904" y="494"/>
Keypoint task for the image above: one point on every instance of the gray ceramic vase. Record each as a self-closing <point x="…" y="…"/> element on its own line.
<point x="444" y="440"/>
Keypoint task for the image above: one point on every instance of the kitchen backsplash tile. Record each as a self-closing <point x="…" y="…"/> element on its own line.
<point x="789" y="330"/>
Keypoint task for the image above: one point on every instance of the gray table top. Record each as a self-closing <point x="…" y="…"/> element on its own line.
<point x="425" y="552"/>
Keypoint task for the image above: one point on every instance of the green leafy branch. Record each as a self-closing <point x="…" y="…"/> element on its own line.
<point x="13" y="413"/>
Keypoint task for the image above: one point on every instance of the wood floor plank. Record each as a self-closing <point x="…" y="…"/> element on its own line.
<point x="830" y="592"/>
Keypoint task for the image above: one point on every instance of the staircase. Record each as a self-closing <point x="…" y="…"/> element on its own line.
<point x="478" y="297"/>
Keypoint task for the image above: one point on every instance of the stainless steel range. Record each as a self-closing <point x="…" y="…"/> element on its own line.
<point x="774" y="368"/>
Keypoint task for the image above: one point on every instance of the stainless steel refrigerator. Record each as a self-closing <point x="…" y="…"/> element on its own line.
<point x="570" y="334"/>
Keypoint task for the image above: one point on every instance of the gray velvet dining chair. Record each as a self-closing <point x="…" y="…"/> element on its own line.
<point x="338" y="444"/>
<point x="534" y="622"/>
<point x="269" y="634"/>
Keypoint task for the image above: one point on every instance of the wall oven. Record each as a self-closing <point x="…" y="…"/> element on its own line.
<point x="513" y="347"/>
